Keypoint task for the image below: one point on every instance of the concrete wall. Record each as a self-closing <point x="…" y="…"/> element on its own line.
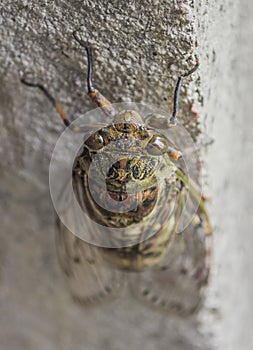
<point x="138" y="47"/>
<point x="229" y="165"/>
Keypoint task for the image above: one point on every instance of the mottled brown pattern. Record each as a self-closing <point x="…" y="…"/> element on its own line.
<point x="161" y="200"/>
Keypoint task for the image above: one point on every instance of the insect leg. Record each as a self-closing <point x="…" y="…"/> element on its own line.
<point x="173" y="119"/>
<point x="174" y="154"/>
<point x="197" y="196"/>
<point x="95" y="95"/>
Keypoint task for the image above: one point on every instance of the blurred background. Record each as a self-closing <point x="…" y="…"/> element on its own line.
<point x="139" y="50"/>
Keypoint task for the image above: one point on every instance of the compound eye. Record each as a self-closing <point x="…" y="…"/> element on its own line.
<point x="95" y="142"/>
<point x="158" y="145"/>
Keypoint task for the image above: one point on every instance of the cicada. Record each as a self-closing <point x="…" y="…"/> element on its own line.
<point x="146" y="221"/>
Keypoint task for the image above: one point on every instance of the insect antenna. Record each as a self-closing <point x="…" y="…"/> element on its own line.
<point x="99" y="100"/>
<point x="51" y="99"/>
<point x="90" y="65"/>
<point x="173" y="119"/>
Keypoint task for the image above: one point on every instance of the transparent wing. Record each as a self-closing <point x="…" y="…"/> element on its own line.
<point x="177" y="283"/>
<point x="89" y="278"/>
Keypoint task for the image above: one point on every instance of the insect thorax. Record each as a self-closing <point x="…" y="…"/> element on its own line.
<point x="119" y="184"/>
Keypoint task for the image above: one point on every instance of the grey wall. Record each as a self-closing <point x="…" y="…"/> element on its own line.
<point x="139" y="50"/>
<point x="229" y="164"/>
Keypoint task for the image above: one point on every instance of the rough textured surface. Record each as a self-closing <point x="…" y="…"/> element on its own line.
<point x="227" y="93"/>
<point x="138" y="47"/>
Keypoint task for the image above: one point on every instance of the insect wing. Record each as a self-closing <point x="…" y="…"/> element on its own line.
<point x="88" y="276"/>
<point x="177" y="283"/>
